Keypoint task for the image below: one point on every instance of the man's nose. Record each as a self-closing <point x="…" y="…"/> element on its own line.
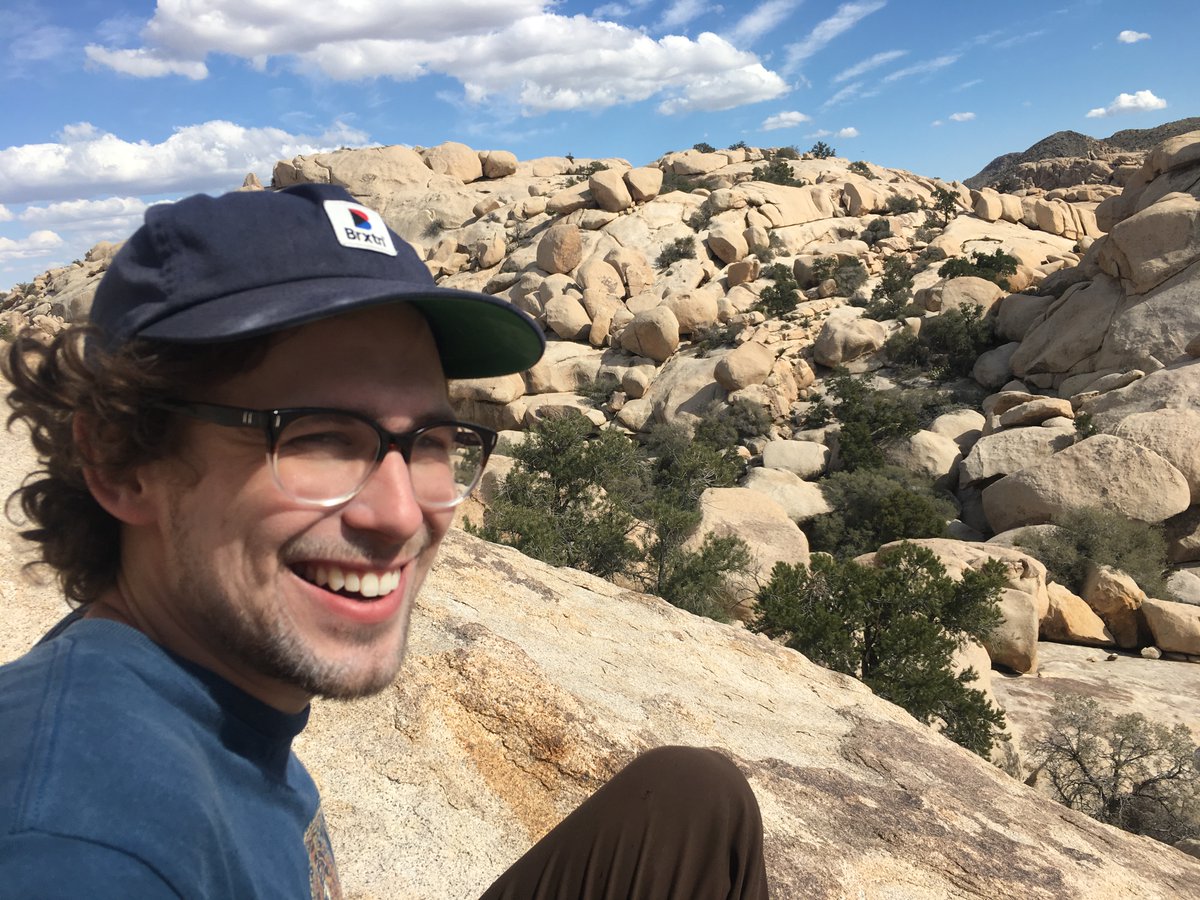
<point x="387" y="503"/>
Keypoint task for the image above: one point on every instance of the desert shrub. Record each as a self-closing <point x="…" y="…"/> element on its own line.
<point x="1085" y="426"/>
<point x="896" y="627"/>
<point x="785" y="153"/>
<point x="680" y="248"/>
<point x="725" y="425"/>
<point x="566" y="501"/>
<point x="673" y="182"/>
<point x="849" y="274"/>
<point x="700" y="217"/>
<point x="716" y="336"/>
<point x="898" y="204"/>
<point x="994" y="267"/>
<point x="876" y="230"/>
<point x="821" y="150"/>
<point x="777" y="171"/>
<point x="597" y="391"/>
<point x="573" y="498"/>
<point x="869" y="420"/>
<point x="948" y="344"/>
<point x="945" y="207"/>
<point x="872" y="507"/>
<point x="859" y="167"/>
<point x="704" y="147"/>
<point x="739" y="145"/>
<point x="1123" y="770"/>
<point x="891" y="297"/>
<point x="782" y="295"/>
<point x="1105" y="538"/>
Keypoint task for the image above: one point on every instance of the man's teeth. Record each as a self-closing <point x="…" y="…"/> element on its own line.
<point x="367" y="584"/>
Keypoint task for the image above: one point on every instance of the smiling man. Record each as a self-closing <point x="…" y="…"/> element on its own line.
<point x="250" y="460"/>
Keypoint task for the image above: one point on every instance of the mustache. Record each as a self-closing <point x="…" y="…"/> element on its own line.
<point x="356" y="548"/>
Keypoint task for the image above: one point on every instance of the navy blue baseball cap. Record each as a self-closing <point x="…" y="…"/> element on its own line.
<point x="209" y="269"/>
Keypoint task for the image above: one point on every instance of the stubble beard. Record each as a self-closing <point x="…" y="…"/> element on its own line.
<point x="264" y="639"/>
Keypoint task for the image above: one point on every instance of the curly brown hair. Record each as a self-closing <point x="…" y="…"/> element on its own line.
<point x="114" y="392"/>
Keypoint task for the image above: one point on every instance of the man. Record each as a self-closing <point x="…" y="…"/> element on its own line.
<point x="250" y="460"/>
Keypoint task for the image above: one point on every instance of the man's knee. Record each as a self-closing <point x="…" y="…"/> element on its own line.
<point x="694" y="777"/>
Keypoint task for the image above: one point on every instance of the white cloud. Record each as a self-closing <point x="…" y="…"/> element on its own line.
<point x="1132" y="37"/>
<point x="712" y="92"/>
<point x="40" y="44"/>
<point x="86" y="213"/>
<point x="967" y="84"/>
<point x="871" y="62"/>
<point x="937" y="123"/>
<point x="766" y="18"/>
<point x="962" y="117"/>
<point x="1016" y="39"/>
<point x="213" y="155"/>
<point x="143" y="63"/>
<point x="846" y="93"/>
<point x="680" y="12"/>
<point x="923" y="68"/>
<point x="844" y="18"/>
<point x="1139" y="101"/>
<point x="38" y="243"/>
<point x="5" y="215"/>
<point x="848" y="132"/>
<point x="500" y="51"/>
<point x="788" y="119"/>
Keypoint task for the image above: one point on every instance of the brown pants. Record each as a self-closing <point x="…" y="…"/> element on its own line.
<point x="678" y="823"/>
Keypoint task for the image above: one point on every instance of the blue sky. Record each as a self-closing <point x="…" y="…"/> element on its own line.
<point x="109" y="105"/>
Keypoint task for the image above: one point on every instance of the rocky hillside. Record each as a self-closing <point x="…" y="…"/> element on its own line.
<point x="652" y="279"/>
<point x="1068" y="157"/>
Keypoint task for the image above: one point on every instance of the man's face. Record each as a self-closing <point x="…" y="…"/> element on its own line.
<point x="233" y="563"/>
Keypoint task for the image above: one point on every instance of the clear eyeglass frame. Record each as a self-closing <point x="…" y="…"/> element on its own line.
<point x="431" y="451"/>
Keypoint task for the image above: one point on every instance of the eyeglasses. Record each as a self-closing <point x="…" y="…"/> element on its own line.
<point x="324" y="457"/>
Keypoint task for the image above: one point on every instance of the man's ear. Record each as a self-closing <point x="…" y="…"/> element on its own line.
<point x="122" y="495"/>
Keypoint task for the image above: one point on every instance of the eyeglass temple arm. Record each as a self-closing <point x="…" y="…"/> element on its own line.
<point x="219" y="415"/>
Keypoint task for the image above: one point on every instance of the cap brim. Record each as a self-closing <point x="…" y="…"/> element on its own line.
<point x="477" y="335"/>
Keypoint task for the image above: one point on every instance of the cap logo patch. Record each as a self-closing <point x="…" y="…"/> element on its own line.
<point x="358" y="227"/>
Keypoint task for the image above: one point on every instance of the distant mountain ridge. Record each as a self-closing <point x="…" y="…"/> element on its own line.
<point x="1066" y="144"/>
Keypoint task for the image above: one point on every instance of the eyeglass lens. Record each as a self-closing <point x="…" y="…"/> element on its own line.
<point x="325" y="457"/>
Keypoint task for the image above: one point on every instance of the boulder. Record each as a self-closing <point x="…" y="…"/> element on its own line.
<point x="653" y="334"/>
<point x="728" y="244"/>
<point x="1071" y="621"/>
<point x="633" y="267"/>
<point x="771" y="536"/>
<point x="993" y="368"/>
<point x="963" y="426"/>
<point x="1174" y="434"/>
<point x="695" y="311"/>
<point x="567" y="318"/>
<point x="750" y="363"/>
<point x="498" y="163"/>
<point x="844" y="340"/>
<point x="684" y="389"/>
<point x="1148" y="489"/>
<point x="1018" y="312"/>
<point x="801" y="500"/>
<point x="561" y="249"/>
<point x="454" y="159"/>
<point x="1013" y="642"/>
<point x="804" y="459"/>
<point x="644" y="182"/>
<point x="930" y="455"/>
<point x="1036" y="411"/>
<point x="1005" y="452"/>
<point x="960" y="293"/>
<point x="1150" y="246"/>
<point x="1175" y="626"/>
<point x="610" y="191"/>
<point x="1116" y="598"/>
<point x="1073" y="329"/>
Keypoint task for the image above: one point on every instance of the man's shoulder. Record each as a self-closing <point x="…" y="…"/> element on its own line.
<point x="111" y="742"/>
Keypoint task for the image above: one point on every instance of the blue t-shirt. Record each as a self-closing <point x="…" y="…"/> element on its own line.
<point x="126" y="771"/>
